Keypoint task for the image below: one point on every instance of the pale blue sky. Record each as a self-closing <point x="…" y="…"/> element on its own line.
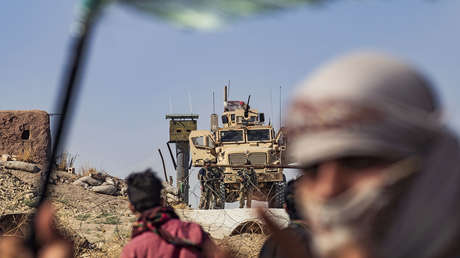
<point x="137" y="64"/>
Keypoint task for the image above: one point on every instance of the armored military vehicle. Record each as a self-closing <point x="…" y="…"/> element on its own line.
<point x="242" y="160"/>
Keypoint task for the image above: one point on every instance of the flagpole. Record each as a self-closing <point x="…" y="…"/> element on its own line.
<point x="81" y="32"/>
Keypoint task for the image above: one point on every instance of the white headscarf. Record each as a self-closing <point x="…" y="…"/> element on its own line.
<point x="371" y="104"/>
<point x="365" y="103"/>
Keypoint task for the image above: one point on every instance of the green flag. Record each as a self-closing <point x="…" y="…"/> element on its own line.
<point x="211" y="14"/>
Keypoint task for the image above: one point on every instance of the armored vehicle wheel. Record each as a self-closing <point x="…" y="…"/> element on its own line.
<point x="220" y="204"/>
<point x="277" y="199"/>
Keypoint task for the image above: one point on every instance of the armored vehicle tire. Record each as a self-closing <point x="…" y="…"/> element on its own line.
<point x="277" y="199"/>
<point x="220" y="203"/>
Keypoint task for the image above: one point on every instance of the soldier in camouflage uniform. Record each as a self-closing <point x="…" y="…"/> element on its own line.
<point x="248" y="182"/>
<point x="210" y="180"/>
<point x="214" y="181"/>
<point x="205" y="190"/>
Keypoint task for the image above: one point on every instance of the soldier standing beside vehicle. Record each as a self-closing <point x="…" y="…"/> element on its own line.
<point x="247" y="185"/>
<point x="205" y="189"/>
<point x="210" y="181"/>
<point x="215" y="179"/>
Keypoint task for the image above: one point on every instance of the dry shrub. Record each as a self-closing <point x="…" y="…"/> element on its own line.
<point x="86" y="171"/>
<point x="180" y="205"/>
<point x="111" y="247"/>
<point x="26" y="156"/>
<point x="244" y="245"/>
<point x="15" y="224"/>
<point x="65" y="160"/>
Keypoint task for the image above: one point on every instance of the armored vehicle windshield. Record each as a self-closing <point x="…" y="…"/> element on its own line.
<point x="258" y="135"/>
<point x="231" y="136"/>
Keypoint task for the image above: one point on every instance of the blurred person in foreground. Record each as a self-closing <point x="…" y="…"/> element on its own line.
<point x="297" y="227"/>
<point x="50" y="242"/>
<point x="158" y="231"/>
<point x="381" y="169"/>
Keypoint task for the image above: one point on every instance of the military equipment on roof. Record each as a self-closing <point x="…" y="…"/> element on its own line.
<point x="246" y="152"/>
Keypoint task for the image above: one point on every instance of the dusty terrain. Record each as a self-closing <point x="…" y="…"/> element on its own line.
<point x="98" y="223"/>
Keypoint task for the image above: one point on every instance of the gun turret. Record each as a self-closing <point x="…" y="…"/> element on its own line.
<point x="246" y="108"/>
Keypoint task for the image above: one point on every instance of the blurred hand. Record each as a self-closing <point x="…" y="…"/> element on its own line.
<point x="288" y="243"/>
<point x="52" y="244"/>
<point x="211" y="250"/>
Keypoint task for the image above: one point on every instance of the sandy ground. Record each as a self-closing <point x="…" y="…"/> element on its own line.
<point x="101" y="223"/>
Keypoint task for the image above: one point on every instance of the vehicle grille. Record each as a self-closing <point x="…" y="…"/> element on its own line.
<point x="237" y="158"/>
<point x="257" y="158"/>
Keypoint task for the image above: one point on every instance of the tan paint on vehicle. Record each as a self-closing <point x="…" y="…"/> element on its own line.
<point x="241" y="141"/>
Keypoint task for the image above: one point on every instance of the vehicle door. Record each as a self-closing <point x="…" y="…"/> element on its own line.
<point x="281" y="141"/>
<point x="202" y="147"/>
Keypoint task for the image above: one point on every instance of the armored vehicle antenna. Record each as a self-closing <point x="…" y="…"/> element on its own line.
<point x="271" y="107"/>
<point x="213" y="103"/>
<point x="225" y="97"/>
<point x="228" y="88"/>
<point x="214" y="117"/>
<point x="280" y="109"/>
<point x="190" y="102"/>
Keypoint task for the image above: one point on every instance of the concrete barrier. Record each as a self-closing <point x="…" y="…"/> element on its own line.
<point x="226" y="222"/>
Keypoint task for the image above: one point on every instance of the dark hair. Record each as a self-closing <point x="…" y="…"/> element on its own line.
<point x="289" y="199"/>
<point x="144" y="190"/>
